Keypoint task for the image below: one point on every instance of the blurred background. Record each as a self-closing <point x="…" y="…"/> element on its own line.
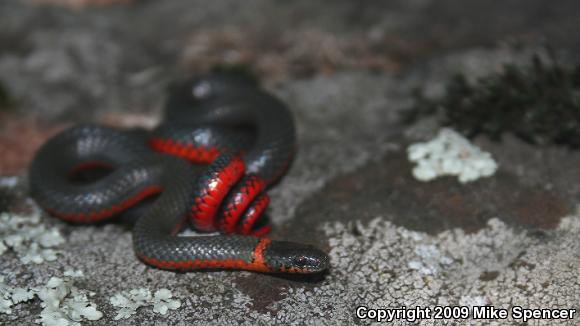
<point x="85" y="59"/>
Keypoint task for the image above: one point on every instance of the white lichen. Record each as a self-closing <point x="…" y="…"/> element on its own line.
<point x="10" y="296"/>
<point x="73" y="273"/>
<point x="497" y="266"/>
<point x="162" y="302"/>
<point x="130" y="301"/>
<point x="450" y="154"/>
<point x="63" y="303"/>
<point x="31" y="240"/>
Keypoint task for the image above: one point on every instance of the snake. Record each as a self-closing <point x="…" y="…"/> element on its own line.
<point x="221" y="143"/>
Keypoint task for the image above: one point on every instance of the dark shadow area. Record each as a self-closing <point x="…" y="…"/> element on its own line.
<point x="387" y="189"/>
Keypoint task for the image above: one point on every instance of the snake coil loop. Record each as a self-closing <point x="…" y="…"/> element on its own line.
<point x="227" y="142"/>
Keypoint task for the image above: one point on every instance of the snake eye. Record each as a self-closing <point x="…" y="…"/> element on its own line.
<point x="305" y="262"/>
<point x="301" y="261"/>
<point x="294" y="257"/>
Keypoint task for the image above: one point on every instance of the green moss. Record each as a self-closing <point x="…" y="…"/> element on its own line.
<point x="539" y="103"/>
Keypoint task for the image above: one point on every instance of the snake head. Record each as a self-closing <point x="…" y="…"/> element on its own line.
<point x="290" y="257"/>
